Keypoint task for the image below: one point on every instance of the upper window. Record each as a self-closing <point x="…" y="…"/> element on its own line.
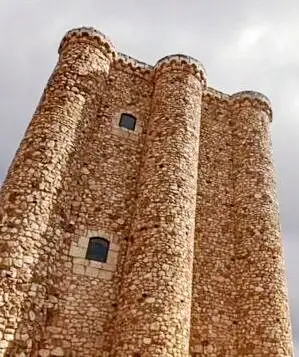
<point x="97" y="249"/>
<point x="127" y="121"/>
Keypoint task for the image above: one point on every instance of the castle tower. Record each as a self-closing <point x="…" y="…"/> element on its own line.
<point x="139" y="216"/>
<point x="155" y="301"/>
<point x="263" y="325"/>
<point x="32" y="186"/>
<point x="213" y="331"/>
<point x="239" y="301"/>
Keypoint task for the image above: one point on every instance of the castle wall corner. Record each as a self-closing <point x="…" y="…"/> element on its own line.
<point x="32" y="189"/>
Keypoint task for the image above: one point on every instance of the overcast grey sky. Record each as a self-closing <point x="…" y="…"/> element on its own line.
<point x="242" y="44"/>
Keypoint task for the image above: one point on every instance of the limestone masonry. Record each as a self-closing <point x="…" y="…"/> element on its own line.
<point x="139" y="217"/>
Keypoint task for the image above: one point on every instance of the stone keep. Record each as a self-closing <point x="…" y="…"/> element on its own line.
<point x="186" y="201"/>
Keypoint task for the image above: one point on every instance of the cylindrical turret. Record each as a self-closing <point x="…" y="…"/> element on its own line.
<point x="153" y="317"/>
<point x="34" y="179"/>
<point x="263" y="324"/>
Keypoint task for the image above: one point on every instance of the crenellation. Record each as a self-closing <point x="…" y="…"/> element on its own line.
<point x="133" y="61"/>
<point x="91" y="36"/>
<point x="215" y="94"/>
<point x="254" y="99"/>
<point x="157" y="236"/>
<point x="251" y="94"/>
<point x="180" y="58"/>
<point x="181" y="62"/>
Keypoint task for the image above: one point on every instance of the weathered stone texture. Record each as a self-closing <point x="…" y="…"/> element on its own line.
<point x="186" y="201"/>
<point x="213" y="306"/>
<point x="157" y="278"/>
<point x="262" y="307"/>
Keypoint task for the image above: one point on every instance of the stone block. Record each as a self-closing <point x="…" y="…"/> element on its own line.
<point x="78" y="269"/>
<point x="77" y="252"/>
<point x="109" y="267"/>
<point x="3" y="344"/>
<point x="91" y="271"/>
<point x="105" y="274"/>
<point x="58" y="351"/>
<point x="83" y="242"/>
<point x="114" y="247"/>
<point x="81" y="261"/>
<point x="8" y="336"/>
<point x="95" y="264"/>
<point x="112" y="258"/>
<point x="44" y="353"/>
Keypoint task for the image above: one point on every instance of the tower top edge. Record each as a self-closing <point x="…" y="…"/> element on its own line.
<point x="246" y="94"/>
<point x="252" y="95"/>
<point x="239" y="97"/>
<point x="100" y="38"/>
<point x="181" y="58"/>
<point x="90" y="33"/>
<point x="133" y="61"/>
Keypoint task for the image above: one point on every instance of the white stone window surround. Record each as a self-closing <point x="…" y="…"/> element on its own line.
<point x="124" y="132"/>
<point x="92" y="268"/>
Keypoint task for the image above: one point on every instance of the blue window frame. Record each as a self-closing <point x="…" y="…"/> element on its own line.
<point x="97" y="249"/>
<point x="127" y="121"/>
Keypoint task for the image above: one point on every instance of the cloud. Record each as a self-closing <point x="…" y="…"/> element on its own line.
<point x="249" y="40"/>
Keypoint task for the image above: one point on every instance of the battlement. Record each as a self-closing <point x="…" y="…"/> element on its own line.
<point x="252" y="95"/>
<point x="102" y="41"/>
<point x="133" y="62"/>
<point x="253" y="98"/>
<point x="180" y="61"/>
<point x="90" y="35"/>
<point x="256" y="99"/>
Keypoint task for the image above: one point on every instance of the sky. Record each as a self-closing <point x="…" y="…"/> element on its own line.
<point x="244" y="45"/>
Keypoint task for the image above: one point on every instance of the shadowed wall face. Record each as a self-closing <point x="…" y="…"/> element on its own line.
<point x="100" y="193"/>
<point x="239" y="295"/>
<point x="213" y="300"/>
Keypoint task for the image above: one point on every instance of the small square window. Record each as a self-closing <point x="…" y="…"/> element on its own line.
<point x="127" y="121"/>
<point x="97" y="249"/>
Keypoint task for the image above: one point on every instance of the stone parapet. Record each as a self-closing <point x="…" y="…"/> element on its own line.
<point x="256" y="99"/>
<point x="252" y="95"/>
<point x="214" y="93"/>
<point x="89" y="35"/>
<point x="182" y="62"/>
<point x="132" y="62"/>
<point x="132" y="65"/>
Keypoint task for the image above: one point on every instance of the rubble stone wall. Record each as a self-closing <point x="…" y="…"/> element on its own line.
<point x="31" y="235"/>
<point x="186" y="201"/>
<point x="262" y="309"/>
<point x="213" y="304"/>
<point x="155" y="299"/>
<point x="100" y="201"/>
